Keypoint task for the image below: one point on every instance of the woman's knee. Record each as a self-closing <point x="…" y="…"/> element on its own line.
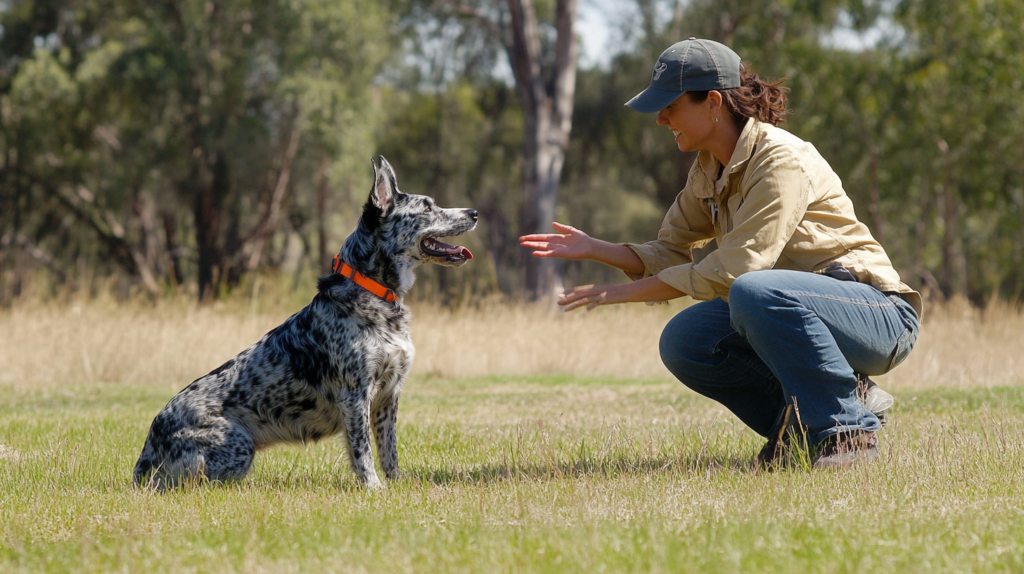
<point x="675" y="345"/>
<point x="750" y="295"/>
<point x="688" y="340"/>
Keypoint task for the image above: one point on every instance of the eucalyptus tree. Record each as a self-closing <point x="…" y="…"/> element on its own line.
<point x="540" y="43"/>
<point x="963" y="74"/>
<point x="146" y="119"/>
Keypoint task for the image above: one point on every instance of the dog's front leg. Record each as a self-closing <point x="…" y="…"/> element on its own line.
<point x="385" y="417"/>
<point x="357" y="434"/>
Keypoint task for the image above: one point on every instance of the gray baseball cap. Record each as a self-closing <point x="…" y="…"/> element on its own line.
<point x="689" y="66"/>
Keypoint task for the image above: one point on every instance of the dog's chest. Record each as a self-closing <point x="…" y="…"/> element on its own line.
<point x="395" y="357"/>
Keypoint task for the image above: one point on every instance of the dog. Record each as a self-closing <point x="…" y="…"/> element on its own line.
<point x="336" y="367"/>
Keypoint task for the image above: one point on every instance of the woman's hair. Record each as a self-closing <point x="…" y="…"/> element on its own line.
<point x="755" y="98"/>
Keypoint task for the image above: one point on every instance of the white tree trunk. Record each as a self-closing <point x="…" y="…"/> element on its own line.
<point x="547" y="108"/>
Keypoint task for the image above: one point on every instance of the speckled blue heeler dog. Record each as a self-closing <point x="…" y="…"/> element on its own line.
<point x="337" y="366"/>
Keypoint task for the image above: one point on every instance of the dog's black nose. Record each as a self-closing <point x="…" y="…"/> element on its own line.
<point x="473" y="213"/>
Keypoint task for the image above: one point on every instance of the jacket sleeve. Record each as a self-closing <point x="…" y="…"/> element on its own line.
<point x="774" y="200"/>
<point x="686" y="225"/>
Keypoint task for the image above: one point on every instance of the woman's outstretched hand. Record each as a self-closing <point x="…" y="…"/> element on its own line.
<point x="568" y="243"/>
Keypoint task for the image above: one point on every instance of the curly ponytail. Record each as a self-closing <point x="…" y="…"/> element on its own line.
<point x="755" y="98"/>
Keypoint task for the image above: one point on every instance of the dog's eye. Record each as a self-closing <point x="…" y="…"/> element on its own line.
<point x="428" y="208"/>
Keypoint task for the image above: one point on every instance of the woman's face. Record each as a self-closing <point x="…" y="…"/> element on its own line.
<point x="691" y="123"/>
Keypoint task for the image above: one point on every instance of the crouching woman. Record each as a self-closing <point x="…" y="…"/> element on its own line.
<point x="799" y="302"/>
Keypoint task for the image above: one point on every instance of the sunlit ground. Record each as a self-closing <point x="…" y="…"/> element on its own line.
<point x="530" y="442"/>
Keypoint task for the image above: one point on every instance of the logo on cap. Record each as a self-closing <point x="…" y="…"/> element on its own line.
<point x="659" y="69"/>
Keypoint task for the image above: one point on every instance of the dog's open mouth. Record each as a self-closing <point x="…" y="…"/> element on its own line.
<point x="435" y="248"/>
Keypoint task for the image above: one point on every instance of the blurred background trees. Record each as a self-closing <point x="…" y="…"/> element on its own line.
<point x="194" y="145"/>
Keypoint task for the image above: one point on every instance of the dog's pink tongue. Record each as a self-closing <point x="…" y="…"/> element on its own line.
<point x="453" y="249"/>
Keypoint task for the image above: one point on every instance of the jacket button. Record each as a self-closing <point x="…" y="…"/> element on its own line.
<point x="715" y="270"/>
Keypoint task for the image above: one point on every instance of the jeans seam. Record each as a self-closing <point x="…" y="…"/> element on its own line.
<point x="887" y="302"/>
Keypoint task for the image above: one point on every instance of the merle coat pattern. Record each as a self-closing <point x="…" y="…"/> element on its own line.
<point x="336" y="366"/>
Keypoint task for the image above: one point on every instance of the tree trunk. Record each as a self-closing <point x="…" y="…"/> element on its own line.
<point x="922" y="237"/>
<point x="875" y="206"/>
<point x="268" y="224"/>
<point x="949" y="220"/>
<point x="954" y="264"/>
<point x="323" y="261"/>
<point x="172" y="247"/>
<point x="212" y="184"/>
<point x="547" y="110"/>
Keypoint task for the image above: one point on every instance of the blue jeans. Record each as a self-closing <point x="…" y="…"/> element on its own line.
<point x="791" y="337"/>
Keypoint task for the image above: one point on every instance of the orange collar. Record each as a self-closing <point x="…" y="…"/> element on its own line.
<point x="365" y="282"/>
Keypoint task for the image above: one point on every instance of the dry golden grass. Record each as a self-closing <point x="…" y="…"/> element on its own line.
<point x="963" y="346"/>
<point x="530" y="441"/>
<point x="173" y="342"/>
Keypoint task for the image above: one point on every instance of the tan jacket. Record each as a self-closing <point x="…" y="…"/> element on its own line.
<point x="780" y="206"/>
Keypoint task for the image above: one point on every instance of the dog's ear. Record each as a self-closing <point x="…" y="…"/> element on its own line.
<point x="385" y="186"/>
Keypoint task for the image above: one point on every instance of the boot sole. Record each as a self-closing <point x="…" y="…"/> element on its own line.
<point x="846" y="459"/>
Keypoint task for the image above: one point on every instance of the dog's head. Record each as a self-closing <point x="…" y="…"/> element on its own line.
<point x="399" y="231"/>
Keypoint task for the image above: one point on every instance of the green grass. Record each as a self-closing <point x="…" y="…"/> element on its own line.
<point x="521" y="474"/>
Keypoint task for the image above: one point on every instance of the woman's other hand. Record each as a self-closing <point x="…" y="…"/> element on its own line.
<point x="593" y="296"/>
<point x="568" y="243"/>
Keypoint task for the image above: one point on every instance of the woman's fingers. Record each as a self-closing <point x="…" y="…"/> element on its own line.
<point x="571" y="244"/>
<point x="563" y="231"/>
<point x="574" y="300"/>
<point x="590" y="302"/>
<point x="581" y="291"/>
<point x="591" y="297"/>
<point x="584" y="295"/>
<point x="539" y="237"/>
<point x="541" y="248"/>
<point x="535" y="244"/>
<point x="576" y="305"/>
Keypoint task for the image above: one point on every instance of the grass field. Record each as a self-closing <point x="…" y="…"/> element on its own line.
<point x="529" y="442"/>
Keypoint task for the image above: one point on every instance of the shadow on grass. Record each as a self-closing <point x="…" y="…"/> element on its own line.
<point x="695" y="465"/>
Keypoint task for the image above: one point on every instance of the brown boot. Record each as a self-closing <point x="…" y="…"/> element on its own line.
<point x="773" y="454"/>
<point x="789" y="441"/>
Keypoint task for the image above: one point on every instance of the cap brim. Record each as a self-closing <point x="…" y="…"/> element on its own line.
<point x="652" y="100"/>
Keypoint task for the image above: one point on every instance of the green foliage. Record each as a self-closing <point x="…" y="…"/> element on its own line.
<point x="946" y="71"/>
<point x="163" y="128"/>
<point x="142" y="139"/>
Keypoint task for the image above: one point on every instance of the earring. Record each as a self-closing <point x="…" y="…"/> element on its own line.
<point x="716" y="119"/>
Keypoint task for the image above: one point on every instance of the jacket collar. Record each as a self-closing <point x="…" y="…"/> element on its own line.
<point x="749" y="136"/>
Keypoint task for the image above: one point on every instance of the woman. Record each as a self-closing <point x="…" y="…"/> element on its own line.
<point x="800" y="303"/>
